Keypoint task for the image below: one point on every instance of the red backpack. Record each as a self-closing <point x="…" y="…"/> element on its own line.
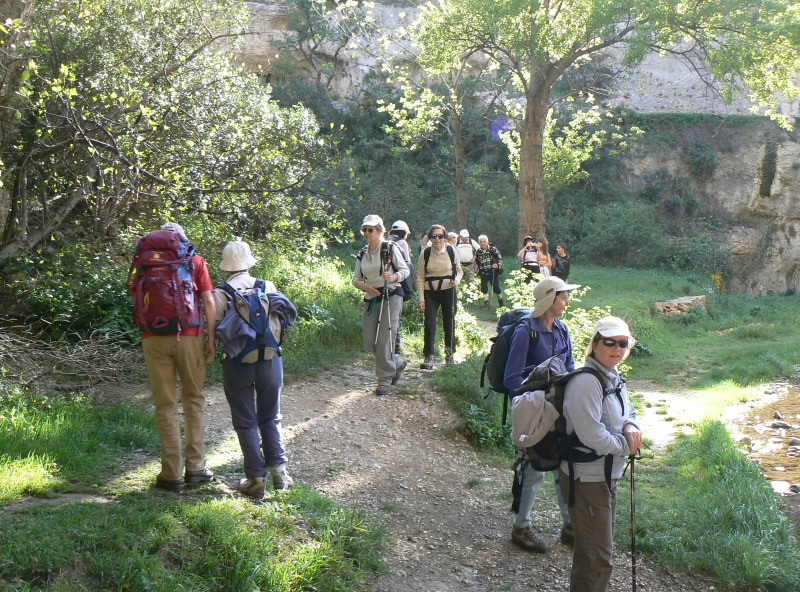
<point x="162" y="285"/>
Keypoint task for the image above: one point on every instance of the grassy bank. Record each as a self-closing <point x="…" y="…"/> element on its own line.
<point x="114" y="532"/>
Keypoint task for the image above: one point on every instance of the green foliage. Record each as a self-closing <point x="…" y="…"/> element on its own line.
<point x="701" y="159"/>
<point x="71" y="443"/>
<point x="482" y="414"/>
<point x="708" y="506"/>
<point x="117" y="122"/>
<point x="71" y="290"/>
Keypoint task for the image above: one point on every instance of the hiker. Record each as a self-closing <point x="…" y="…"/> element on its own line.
<point x="529" y="258"/>
<point x="466" y="249"/>
<point x="490" y="265"/>
<point x="378" y="272"/>
<point x="398" y="233"/>
<point x="253" y="389"/>
<point x="551" y="300"/>
<point x="438" y="275"/>
<point x="545" y="261"/>
<point x="561" y="262"/>
<point x="452" y="238"/>
<point x="182" y="350"/>
<point x="607" y="425"/>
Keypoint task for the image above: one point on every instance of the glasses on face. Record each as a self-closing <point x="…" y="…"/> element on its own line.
<point x="623" y="343"/>
<point x="368" y="230"/>
<point x="439" y="236"/>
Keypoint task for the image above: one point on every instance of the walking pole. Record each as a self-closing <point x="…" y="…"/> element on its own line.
<point x="380" y="310"/>
<point x="633" y="524"/>
<point x="453" y="324"/>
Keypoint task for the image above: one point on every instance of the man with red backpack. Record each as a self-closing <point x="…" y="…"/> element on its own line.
<point x="171" y="290"/>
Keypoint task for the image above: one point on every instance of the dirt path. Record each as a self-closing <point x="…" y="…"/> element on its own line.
<point x="401" y="459"/>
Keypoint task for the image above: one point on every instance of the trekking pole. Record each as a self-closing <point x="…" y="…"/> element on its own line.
<point x="453" y="323"/>
<point x="633" y="524"/>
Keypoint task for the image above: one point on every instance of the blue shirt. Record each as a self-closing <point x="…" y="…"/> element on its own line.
<point x="550" y="343"/>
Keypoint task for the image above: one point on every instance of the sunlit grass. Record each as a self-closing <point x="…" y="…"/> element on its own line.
<point x="707" y="506"/>
<point x="31" y="475"/>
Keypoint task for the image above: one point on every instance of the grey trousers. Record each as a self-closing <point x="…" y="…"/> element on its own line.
<point x="593" y="517"/>
<point x="386" y="361"/>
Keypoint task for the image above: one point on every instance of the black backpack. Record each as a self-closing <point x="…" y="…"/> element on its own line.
<point x="552" y="445"/>
<point x="450" y="251"/>
<point x="409" y="284"/>
<point x="494" y="364"/>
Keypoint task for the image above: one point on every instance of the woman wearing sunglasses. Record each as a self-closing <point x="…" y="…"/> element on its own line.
<point x="439" y="274"/>
<point x="602" y="417"/>
<point x="380" y="268"/>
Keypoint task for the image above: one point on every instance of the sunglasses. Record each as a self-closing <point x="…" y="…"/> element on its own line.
<point x="368" y="230"/>
<point x="437" y="236"/>
<point x="623" y="343"/>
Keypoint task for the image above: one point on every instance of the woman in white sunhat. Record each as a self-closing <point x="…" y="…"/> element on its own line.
<point x="380" y="268"/>
<point x="552" y="339"/>
<point x="603" y="419"/>
<point x="253" y="389"/>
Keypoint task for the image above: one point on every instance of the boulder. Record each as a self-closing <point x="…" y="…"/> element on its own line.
<point x="680" y="305"/>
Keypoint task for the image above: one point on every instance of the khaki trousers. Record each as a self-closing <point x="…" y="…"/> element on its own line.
<point x="165" y="356"/>
<point x="593" y="517"/>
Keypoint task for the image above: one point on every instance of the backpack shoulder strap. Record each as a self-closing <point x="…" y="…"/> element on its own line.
<point x="362" y="252"/>
<point x="452" y="252"/>
<point x="228" y="289"/>
<point x="426" y="254"/>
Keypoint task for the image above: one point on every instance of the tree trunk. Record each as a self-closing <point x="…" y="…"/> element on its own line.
<point x="532" y="202"/>
<point x="460" y="177"/>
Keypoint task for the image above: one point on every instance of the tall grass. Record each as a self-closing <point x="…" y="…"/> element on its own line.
<point x="143" y="542"/>
<point x="707" y="506"/>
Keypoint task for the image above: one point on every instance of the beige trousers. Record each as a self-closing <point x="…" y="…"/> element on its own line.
<point x="165" y="356"/>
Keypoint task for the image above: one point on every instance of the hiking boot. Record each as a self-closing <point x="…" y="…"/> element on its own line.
<point x="169" y="484"/>
<point x="253" y="487"/>
<point x="383" y="389"/>
<point x="449" y="360"/>
<point x="280" y="478"/>
<point x="195" y="477"/>
<point x="427" y="364"/>
<point x="528" y="539"/>
<point x="485" y="305"/>
<point x="399" y="372"/>
<point x="567" y="535"/>
<point x="500" y="301"/>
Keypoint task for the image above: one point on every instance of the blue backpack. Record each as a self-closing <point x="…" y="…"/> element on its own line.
<point x="245" y="330"/>
<point x="494" y="364"/>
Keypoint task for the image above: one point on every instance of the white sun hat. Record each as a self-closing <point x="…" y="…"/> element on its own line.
<point x="236" y="256"/>
<point x="545" y="293"/>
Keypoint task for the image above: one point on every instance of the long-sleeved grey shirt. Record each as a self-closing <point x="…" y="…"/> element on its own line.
<point x="598" y="420"/>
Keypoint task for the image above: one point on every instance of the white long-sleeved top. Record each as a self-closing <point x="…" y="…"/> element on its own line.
<point x="598" y="421"/>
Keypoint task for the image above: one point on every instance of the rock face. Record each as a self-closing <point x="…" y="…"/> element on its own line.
<point x="755" y="180"/>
